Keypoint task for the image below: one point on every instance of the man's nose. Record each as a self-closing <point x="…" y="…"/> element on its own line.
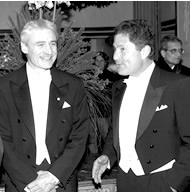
<point x="115" y="55"/>
<point x="48" y="49"/>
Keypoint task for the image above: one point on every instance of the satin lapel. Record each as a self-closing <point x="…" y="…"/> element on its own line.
<point x="151" y="101"/>
<point x="21" y="97"/>
<point x="56" y="100"/>
<point x="117" y="99"/>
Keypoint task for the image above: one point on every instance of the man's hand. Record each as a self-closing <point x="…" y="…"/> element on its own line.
<point x="99" y="166"/>
<point x="43" y="183"/>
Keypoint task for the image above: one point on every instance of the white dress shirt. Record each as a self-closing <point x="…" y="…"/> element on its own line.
<point x="128" y="122"/>
<point x="39" y="84"/>
<point x="129" y="118"/>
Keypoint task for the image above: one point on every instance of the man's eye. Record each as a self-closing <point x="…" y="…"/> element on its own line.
<point x="54" y="43"/>
<point x="40" y="45"/>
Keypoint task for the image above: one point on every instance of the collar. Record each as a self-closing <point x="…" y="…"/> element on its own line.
<point x="143" y="77"/>
<point x="40" y="75"/>
<point x="37" y="73"/>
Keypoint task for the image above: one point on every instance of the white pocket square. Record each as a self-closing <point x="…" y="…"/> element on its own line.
<point x="65" y="105"/>
<point x="162" y="107"/>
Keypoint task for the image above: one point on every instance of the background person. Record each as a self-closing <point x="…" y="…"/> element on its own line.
<point x="171" y="53"/>
<point x="43" y="118"/>
<point x="150" y="135"/>
<point x="102" y="62"/>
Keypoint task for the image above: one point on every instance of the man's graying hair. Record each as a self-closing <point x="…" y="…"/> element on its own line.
<point x="169" y="38"/>
<point x="139" y="33"/>
<point x="35" y="25"/>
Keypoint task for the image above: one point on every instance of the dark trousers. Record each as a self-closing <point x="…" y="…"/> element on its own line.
<point x="129" y="182"/>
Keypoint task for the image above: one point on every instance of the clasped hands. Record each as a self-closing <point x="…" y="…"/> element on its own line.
<point x="43" y="183"/>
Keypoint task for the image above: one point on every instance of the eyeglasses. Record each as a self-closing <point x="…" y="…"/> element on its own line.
<point x="174" y="51"/>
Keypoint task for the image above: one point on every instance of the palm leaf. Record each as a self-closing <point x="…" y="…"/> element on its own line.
<point x="87" y="56"/>
<point x="14" y="29"/>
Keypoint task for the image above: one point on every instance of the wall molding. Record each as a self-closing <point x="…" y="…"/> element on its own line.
<point x="96" y="32"/>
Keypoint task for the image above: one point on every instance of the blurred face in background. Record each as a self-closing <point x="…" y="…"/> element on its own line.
<point x="100" y="62"/>
<point x="173" y="54"/>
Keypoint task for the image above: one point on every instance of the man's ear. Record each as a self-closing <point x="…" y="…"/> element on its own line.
<point x="145" y="51"/>
<point x="163" y="53"/>
<point x="24" y="48"/>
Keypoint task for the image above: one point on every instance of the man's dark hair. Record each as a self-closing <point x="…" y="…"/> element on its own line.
<point x="166" y="39"/>
<point x="139" y="32"/>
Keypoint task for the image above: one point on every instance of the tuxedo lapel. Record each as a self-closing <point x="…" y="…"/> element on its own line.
<point x="151" y="101"/>
<point x="152" y="98"/>
<point x="56" y="101"/>
<point x="21" y="97"/>
<point x="118" y="95"/>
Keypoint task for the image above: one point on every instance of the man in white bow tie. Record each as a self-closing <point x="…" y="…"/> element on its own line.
<point x="43" y="117"/>
<point x="150" y="136"/>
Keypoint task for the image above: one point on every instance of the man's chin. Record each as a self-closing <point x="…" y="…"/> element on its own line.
<point x="47" y="64"/>
<point x="178" y="61"/>
<point x="120" y="72"/>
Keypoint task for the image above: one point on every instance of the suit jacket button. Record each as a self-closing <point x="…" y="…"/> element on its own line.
<point x="56" y="156"/>
<point x="18" y="120"/>
<point x="155" y="131"/>
<point x="63" y="120"/>
<point x="151" y="146"/>
<point x="28" y="156"/>
<point x="148" y="162"/>
<point x="24" y="139"/>
<point x="60" y="139"/>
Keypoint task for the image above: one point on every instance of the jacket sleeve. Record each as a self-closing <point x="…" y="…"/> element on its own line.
<point x="19" y="172"/>
<point x="109" y="149"/>
<point x="179" y="175"/>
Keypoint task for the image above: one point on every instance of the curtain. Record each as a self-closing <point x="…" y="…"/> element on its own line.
<point x="150" y="10"/>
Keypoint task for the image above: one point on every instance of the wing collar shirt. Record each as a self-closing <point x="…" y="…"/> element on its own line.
<point x="129" y="118"/>
<point x="39" y="84"/>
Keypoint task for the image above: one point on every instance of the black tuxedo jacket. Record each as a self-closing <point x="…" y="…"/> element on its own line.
<point x="66" y="132"/>
<point x="162" y="135"/>
<point x="1" y="151"/>
<point x="178" y="69"/>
